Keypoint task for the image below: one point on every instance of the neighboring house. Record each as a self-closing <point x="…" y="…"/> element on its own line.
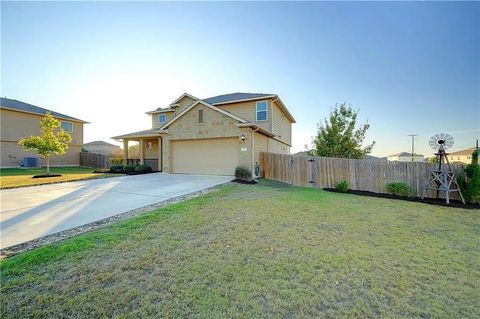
<point x="101" y="147"/>
<point x="213" y="135"/>
<point x="462" y="156"/>
<point x="375" y="158"/>
<point x="20" y="119"/>
<point x="406" y="157"/>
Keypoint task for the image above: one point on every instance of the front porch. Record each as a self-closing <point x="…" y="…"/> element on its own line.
<point x="148" y="152"/>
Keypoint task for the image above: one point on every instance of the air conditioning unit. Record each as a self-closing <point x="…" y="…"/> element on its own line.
<point x="29" y="162"/>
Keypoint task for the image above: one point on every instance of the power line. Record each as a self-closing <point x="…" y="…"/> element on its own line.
<point x="413" y="144"/>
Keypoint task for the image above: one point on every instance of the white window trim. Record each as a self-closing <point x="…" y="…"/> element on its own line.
<point x="65" y="129"/>
<point x="256" y="112"/>
<point x="159" y="122"/>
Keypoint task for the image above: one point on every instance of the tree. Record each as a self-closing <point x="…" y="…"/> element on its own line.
<point x="52" y="140"/>
<point x="470" y="180"/>
<point x="339" y="137"/>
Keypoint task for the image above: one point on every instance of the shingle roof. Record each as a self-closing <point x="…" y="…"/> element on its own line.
<point x="232" y="97"/>
<point x="99" y="143"/>
<point x="25" y="107"/>
<point x="467" y="152"/>
<point x="403" y="154"/>
<point x="144" y="133"/>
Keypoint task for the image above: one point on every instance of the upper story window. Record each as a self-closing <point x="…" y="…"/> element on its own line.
<point x="162" y="118"/>
<point x="262" y="111"/>
<point x="200" y="116"/>
<point x="67" y="126"/>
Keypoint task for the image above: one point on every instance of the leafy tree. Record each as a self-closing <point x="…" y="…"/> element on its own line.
<point x="339" y="137"/>
<point x="52" y="140"/>
<point x="470" y="180"/>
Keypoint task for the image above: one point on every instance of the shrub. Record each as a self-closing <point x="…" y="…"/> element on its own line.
<point x="399" y="189"/>
<point x="242" y="172"/>
<point x="143" y="168"/>
<point x="129" y="168"/>
<point x="341" y="186"/>
<point x="116" y="168"/>
<point x="469" y="181"/>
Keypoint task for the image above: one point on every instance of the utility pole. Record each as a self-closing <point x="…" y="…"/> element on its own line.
<point x="413" y="144"/>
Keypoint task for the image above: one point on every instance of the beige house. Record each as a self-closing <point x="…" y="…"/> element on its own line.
<point x="462" y="156"/>
<point x="101" y="147"/>
<point x="213" y="135"/>
<point x="406" y="157"/>
<point x="20" y="119"/>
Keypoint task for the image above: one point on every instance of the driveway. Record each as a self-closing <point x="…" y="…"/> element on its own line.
<point x="32" y="212"/>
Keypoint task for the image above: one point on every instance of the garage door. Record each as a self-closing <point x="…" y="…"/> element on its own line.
<point x="207" y="156"/>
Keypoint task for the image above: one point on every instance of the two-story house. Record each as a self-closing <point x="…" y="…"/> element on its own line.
<point x="213" y="135"/>
<point x="20" y="119"/>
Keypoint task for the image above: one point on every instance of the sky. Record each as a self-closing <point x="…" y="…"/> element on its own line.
<point x="407" y="67"/>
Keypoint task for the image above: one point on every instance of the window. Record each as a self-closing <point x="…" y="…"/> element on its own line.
<point x="162" y="118"/>
<point x="262" y="111"/>
<point x="200" y="116"/>
<point x="67" y="126"/>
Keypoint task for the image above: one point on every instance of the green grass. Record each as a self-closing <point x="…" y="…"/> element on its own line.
<point x="21" y="177"/>
<point x="266" y="250"/>
<point x="43" y="170"/>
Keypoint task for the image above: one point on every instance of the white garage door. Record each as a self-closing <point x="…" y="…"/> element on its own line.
<point x="208" y="156"/>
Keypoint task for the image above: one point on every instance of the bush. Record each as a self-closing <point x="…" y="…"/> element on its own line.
<point x="116" y="168"/>
<point x="242" y="172"/>
<point x="399" y="189"/>
<point x="341" y="186"/>
<point x="469" y="181"/>
<point x="143" y="168"/>
<point x="130" y="168"/>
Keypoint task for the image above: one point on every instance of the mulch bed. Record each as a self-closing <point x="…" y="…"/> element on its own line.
<point x="430" y="201"/>
<point x="242" y="181"/>
<point x="46" y="176"/>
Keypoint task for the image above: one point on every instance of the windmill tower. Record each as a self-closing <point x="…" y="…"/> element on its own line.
<point x="442" y="177"/>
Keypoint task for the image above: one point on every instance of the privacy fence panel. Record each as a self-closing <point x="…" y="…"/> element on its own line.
<point x="95" y="160"/>
<point x="363" y="175"/>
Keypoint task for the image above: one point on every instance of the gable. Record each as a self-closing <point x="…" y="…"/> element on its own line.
<point x="187" y="109"/>
<point x="215" y="124"/>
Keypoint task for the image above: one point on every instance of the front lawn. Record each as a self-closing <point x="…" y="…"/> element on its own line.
<point x="265" y="250"/>
<point x="18" y="177"/>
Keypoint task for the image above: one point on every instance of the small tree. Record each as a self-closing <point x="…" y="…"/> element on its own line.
<point x="52" y="140"/>
<point x="339" y="137"/>
<point x="470" y="180"/>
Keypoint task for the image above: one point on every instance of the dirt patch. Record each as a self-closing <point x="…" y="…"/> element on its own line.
<point x="430" y="201"/>
<point x="242" y="181"/>
<point x="46" y="175"/>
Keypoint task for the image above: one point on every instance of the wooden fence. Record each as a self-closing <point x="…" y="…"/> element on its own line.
<point x="364" y="175"/>
<point x="95" y="160"/>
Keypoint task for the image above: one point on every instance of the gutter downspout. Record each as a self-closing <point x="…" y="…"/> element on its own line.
<point x="253" y="151"/>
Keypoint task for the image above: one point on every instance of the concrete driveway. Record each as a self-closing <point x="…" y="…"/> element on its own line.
<point x="32" y="212"/>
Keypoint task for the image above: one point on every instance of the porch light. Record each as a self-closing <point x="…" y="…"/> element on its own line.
<point x="243" y="137"/>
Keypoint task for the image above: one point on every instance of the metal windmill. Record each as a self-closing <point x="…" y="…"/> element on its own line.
<point x="442" y="177"/>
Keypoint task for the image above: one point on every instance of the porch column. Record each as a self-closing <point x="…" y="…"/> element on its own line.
<point x="125" y="151"/>
<point x="160" y="168"/>
<point x="140" y="150"/>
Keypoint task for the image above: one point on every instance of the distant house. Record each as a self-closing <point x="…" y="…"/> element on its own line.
<point x="20" y="119"/>
<point x="463" y="156"/>
<point x="101" y="147"/>
<point x="406" y="157"/>
<point x="374" y="158"/>
<point x="302" y="154"/>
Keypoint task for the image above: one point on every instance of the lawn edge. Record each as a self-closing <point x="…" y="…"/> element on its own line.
<point x="65" y="234"/>
<point x="61" y="182"/>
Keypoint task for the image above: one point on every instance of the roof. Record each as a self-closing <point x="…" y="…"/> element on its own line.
<point x="234" y="97"/>
<point x="467" y="151"/>
<point x="145" y="133"/>
<point x="402" y="154"/>
<point x="30" y="108"/>
<point x="100" y="143"/>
